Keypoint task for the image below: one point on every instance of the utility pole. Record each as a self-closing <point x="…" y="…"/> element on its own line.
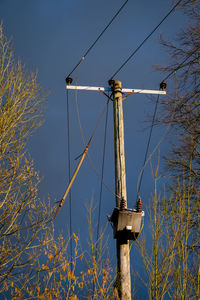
<point x="126" y="222"/>
<point x="123" y="258"/>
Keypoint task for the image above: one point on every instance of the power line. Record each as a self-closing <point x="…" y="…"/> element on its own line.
<point x="69" y="175"/>
<point x="109" y="97"/>
<point x="84" y="144"/>
<point x="154" y="116"/>
<point x="100" y="35"/>
<point x="102" y="175"/>
<point x="61" y="202"/>
<point x="181" y="64"/>
<point x="147" y="148"/>
<point x="136" y="50"/>
<point x="101" y="186"/>
<point x="151" y="129"/>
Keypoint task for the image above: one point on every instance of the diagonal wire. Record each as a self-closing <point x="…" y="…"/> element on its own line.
<point x="153" y="120"/>
<point x="147" y="147"/>
<point x="69" y="175"/>
<point x="150" y="134"/>
<point x="83" y="140"/>
<point x="181" y="64"/>
<point x="102" y="175"/>
<point x="156" y="147"/>
<point x="61" y="202"/>
<point x="148" y="36"/>
<point x="99" y="36"/>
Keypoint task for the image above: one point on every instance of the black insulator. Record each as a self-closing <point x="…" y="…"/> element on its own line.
<point x="163" y="85"/>
<point x="123" y="204"/>
<point x="111" y="82"/>
<point x="139" y="206"/>
<point x="69" y="80"/>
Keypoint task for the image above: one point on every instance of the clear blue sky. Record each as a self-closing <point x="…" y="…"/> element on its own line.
<point x="50" y="37"/>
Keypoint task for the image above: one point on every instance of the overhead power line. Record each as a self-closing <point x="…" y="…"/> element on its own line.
<point x="154" y="116"/>
<point x="147" y="147"/>
<point x="102" y="176"/>
<point x="100" y="35"/>
<point x="80" y="163"/>
<point x="109" y="97"/>
<point x="144" y="41"/>
<point x="181" y="64"/>
<point x="69" y="174"/>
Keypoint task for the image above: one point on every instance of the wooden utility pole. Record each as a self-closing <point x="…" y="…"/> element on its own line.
<point x="126" y="222"/>
<point x="123" y="258"/>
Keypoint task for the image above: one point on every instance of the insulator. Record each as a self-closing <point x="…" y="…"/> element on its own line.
<point x="69" y="80"/>
<point x="139" y="206"/>
<point x="111" y="82"/>
<point x="123" y="204"/>
<point x="163" y="85"/>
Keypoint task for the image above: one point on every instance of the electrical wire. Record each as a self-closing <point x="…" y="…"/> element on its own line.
<point x="99" y="36"/>
<point x="135" y="51"/>
<point x="147" y="148"/>
<point x="150" y="134"/>
<point x="102" y="175"/>
<point x="109" y="97"/>
<point x="61" y="202"/>
<point x="69" y="174"/>
<point x="181" y="64"/>
<point x="83" y="141"/>
<point x="153" y="120"/>
<point x="144" y="41"/>
<point x="154" y="150"/>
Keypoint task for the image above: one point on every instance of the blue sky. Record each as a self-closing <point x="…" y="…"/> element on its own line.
<point x="50" y="37"/>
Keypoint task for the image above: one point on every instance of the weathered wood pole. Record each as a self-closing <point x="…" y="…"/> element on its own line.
<point x="123" y="257"/>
